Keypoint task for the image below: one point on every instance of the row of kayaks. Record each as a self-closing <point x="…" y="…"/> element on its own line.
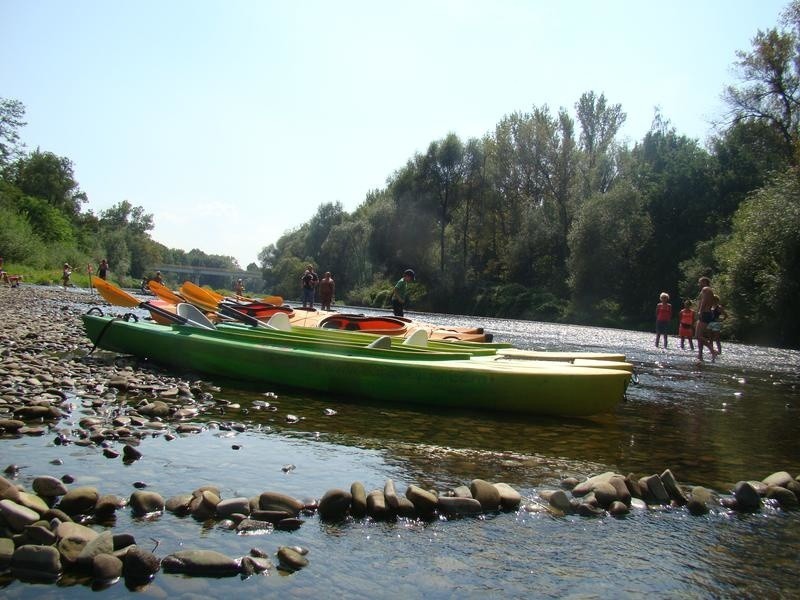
<point x="378" y="324"/>
<point x="355" y="364"/>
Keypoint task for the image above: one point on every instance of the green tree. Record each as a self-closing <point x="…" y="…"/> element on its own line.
<point x="49" y="177"/>
<point x="600" y="123"/>
<point x="609" y="236"/>
<point x="761" y="280"/>
<point x="769" y="92"/>
<point x="12" y="113"/>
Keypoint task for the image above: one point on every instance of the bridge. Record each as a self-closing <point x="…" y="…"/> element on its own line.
<point x="195" y="273"/>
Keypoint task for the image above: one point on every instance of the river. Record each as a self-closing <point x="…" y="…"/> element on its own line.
<point x="710" y="424"/>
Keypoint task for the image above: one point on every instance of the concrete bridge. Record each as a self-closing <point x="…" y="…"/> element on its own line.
<point x="195" y="274"/>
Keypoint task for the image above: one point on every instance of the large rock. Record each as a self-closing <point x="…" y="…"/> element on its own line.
<point x="510" y="499"/>
<point x="16" y="515"/>
<point x="457" y="506"/>
<point x="31" y="562"/>
<point x="781" y="479"/>
<point x="230" y="506"/>
<point x="200" y="563"/>
<point x="485" y="493"/>
<point x="277" y="501"/>
<point x="376" y="505"/>
<point x="79" y="500"/>
<point x="139" y="565"/>
<point x="6" y="552"/>
<point x="358" y="502"/>
<point x="700" y="501"/>
<point x="747" y="498"/>
<point x="143" y="502"/>
<point x="291" y="559"/>
<point x="784" y="497"/>
<point x="49" y="487"/>
<point x="654" y="490"/>
<point x="334" y="504"/>
<point x="424" y="501"/>
<point x="106" y="567"/>
<point x="672" y="487"/>
<point x="390" y="493"/>
<point x="102" y="544"/>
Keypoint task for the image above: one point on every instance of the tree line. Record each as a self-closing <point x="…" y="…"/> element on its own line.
<point x="43" y="223"/>
<point x="549" y="216"/>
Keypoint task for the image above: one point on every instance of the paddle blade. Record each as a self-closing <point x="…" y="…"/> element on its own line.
<point x="276" y="300"/>
<point x="196" y="290"/>
<point x="113" y="294"/>
<point x="163" y="292"/>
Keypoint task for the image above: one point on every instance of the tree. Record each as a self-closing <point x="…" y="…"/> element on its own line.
<point x="770" y="89"/>
<point x="761" y="281"/>
<point x="49" y="177"/>
<point x="11" y="114"/>
<point x="606" y="244"/>
<point x="444" y="162"/>
<point x="600" y="124"/>
<point x="124" y="215"/>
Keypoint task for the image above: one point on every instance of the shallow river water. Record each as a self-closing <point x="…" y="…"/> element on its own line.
<point x="711" y="424"/>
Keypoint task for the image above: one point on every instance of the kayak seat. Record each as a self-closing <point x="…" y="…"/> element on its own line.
<point x="418" y="338"/>
<point x="280" y="321"/>
<point x="384" y="343"/>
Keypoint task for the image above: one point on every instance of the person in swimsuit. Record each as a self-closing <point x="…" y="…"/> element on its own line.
<point x="705" y="306"/>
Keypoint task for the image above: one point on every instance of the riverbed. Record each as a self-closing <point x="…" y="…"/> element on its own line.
<point x="711" y="424"/>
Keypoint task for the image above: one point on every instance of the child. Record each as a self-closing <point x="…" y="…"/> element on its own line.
<point x="663" y="316"/>
<point x="714" y="328"/>
<point x="686" y="324"/>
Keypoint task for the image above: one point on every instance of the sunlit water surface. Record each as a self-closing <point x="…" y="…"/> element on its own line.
<point x="711" y="424"/>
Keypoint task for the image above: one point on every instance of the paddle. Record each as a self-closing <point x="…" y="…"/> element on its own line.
<point x="163" y="292"/>
<point x="195" y="290"/>
<point x="119" y="297"/>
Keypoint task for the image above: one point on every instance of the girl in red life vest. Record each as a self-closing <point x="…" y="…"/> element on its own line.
<point x="663" y="316"/>
<point x="686" y="324"/>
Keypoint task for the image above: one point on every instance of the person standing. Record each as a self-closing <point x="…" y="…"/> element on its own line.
<point x="663" y="317"/>
<point x="3" y="274"/>
<point x="308" y="281"/>
<point x="66" y="272"/>
<point x="686" y="324"/>
<point x="102" y="269"/>
<point x="714" y="329"/>
<point x="158" y="278"/>
<point x="327" y="288"/>
<point x="400" y="293"/>
<point x="238" y="287"/>
<point x="705" y="314"/>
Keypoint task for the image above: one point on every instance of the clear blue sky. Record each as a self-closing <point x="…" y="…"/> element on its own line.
<point x="232" y="121"/>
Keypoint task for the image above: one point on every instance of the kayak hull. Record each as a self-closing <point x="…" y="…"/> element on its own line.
<point x="441" y="382"/>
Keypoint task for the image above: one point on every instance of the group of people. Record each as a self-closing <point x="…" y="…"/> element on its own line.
<point x="705" y="324"/>
<point x="310" y="282"/>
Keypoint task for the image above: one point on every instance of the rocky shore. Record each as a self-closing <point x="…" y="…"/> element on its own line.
<point x="54" y="528"/>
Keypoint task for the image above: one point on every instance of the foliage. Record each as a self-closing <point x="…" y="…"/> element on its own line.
<point x="761" y="259"/>
<point x="11" y="114"/>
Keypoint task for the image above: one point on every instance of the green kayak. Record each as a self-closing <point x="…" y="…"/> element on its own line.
<point x="393" y="374"/>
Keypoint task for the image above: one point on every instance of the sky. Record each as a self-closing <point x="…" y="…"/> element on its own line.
<point x="232" y="121"/>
